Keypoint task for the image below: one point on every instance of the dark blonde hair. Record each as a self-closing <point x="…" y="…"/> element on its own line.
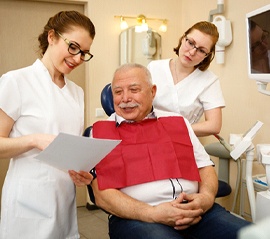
<point x="209" y="29"/>
<point x="62" y="22"/>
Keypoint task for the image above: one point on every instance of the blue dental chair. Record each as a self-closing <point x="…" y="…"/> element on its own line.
<point x="219" y="151"/>
<point x="106" y="99"/>
<point x="215" y="149"/>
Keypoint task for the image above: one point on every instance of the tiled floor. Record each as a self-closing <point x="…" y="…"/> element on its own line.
<point x="93" y="224"/>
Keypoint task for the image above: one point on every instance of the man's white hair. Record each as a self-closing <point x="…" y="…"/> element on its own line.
<point x="129" y="66"/>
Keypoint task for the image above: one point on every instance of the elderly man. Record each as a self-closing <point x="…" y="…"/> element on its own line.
<point x="158" y="183"/>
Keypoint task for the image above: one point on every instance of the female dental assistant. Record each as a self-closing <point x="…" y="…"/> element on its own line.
<point x="185" y="86"/>
<point x="37" y="103"/>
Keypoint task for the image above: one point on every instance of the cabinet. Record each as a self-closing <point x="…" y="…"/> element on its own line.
<point x="244" y="200"/>
<point x="258" y="171"/>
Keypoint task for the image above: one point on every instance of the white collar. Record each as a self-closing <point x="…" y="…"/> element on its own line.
<point x="119" y="119"/>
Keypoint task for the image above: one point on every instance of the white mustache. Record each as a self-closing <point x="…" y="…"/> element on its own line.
<point x="128" y="105"/>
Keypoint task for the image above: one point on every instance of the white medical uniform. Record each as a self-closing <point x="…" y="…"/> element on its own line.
<point x="190" y="97"/>
<point x="38" y="201"/>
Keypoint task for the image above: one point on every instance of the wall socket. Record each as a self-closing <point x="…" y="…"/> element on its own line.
<point x="100" y="113"/>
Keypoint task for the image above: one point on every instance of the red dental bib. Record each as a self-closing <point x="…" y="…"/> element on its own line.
<point x="151" y="150"/>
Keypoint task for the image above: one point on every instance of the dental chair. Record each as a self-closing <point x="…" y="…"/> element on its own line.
<point x="106" y="99"/>
<point x="222" y="150"/>
<point x="215" y="149"/>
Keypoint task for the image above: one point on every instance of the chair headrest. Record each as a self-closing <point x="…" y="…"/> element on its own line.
<point x="106" y="99"/>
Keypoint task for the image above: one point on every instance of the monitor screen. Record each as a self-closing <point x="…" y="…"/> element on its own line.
<point x="258" y="45"/>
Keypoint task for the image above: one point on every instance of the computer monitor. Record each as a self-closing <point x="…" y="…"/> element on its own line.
<point x="258" y="44"/>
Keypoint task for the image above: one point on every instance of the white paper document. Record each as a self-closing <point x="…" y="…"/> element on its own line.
<point x="69" y="152"/>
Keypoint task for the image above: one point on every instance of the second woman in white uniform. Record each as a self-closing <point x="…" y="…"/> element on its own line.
<point x="185" y="86"/>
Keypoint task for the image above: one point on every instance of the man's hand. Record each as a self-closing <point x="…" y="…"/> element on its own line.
<point x="178" y="213"/>
<point x="80" y="178"/>
<point x="193" y="202"/>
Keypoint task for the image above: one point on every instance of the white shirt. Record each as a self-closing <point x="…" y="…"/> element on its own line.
<point x="190" y="97"/>
<point x="166" y="190"/>
<point x="38" y="201"/>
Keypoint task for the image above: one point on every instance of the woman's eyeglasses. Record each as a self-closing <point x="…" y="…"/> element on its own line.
<point x="191" y="45"/>
<point x="73" y="49"/>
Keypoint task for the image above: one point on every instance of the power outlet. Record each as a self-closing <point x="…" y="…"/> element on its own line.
<point x="100" y="113"/>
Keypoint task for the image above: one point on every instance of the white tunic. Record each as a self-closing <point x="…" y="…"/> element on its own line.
<point x="38" y="201"/>
<point x="190" y="97"/>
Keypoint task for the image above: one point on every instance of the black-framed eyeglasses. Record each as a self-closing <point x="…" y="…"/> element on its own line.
<point x="191" y="45"/>
<point x="73" y="49"/>
<point x="264" y="37"/>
